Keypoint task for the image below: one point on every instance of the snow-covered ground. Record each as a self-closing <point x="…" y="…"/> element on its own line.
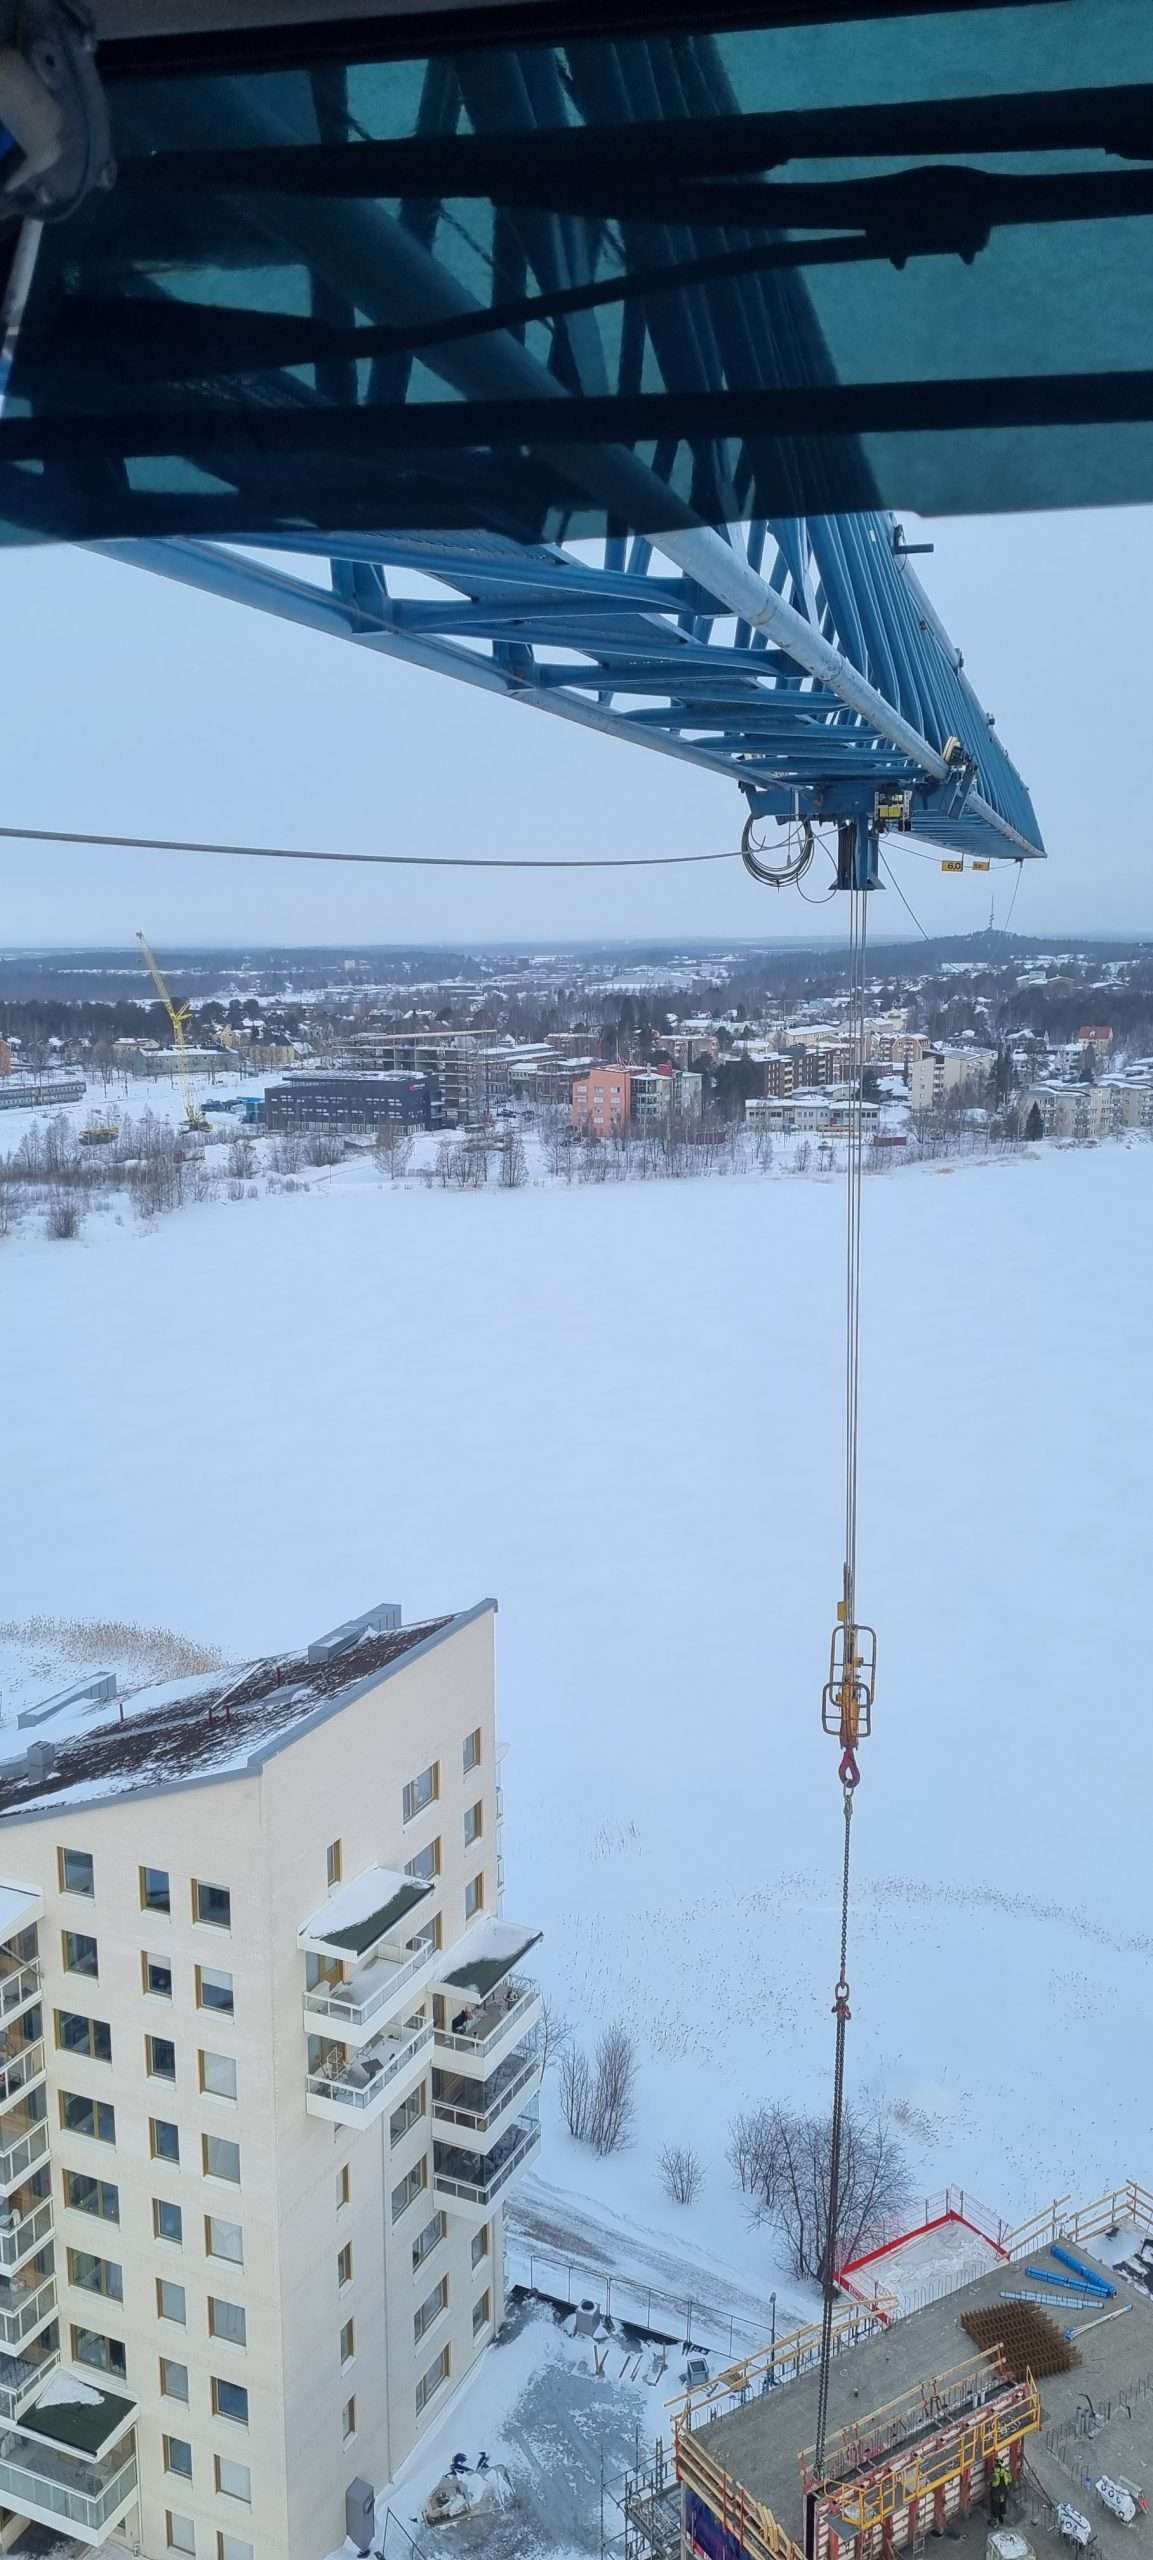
<point x="618" y="1409"/>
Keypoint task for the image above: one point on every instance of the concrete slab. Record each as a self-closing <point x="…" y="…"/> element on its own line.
<point x="759" y="2445"/>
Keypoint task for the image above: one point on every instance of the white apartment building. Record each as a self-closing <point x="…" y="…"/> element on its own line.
<point x="266" y="2074"/>
<point x="945" y="1071"/>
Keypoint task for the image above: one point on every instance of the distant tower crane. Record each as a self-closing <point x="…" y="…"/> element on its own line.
<point x="178" y="1015"/>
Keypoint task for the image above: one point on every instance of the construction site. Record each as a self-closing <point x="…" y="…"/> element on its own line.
<point x="1016" y="2404"/>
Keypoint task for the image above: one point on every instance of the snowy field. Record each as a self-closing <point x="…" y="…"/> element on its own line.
<point x="618" y="1410"/>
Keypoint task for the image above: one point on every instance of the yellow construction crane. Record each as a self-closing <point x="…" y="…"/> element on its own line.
<point x="178" y="1016"/>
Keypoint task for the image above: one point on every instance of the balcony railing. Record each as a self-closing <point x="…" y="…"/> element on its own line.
<point x="20" y="2376"/>
<point x="19" y="2070"/>
<point x="357" y="2003"/>
<point x="87" y="2494"/>
<point x="359" y="2080"/>
<point x="495" y="2095"/>
<point x="17" y="1987"/>
<point x="488" y="2024"/>
<point x="475" y="2181"/>
<point x="23" y="2309"/>
<point x="22" y="2237"/>
<point x="19" y="2156"/>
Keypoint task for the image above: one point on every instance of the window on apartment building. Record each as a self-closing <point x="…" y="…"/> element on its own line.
<point x="218" y="2075"/>
<point x="170" y="2302"/>
<point x="213" y="1990"/>
<point x="229" y="2400"/>
<point x="430" y="2239"/>
<point x="432" y="2306"/>
<point x="80" y="1953"/>
<point x="88" y="2347"/>
<point x="79" y="2114"/>
<point x="344" y="2264"/>
<point x="473" y="1823"/>
<point x="160" y="2057"/>
<point x="471" y="1753"/>
<point x="404" y="2117"/>
<point x="228" y="2548"/>
<point x="481" y="2313"/>
<point x="91" y="2195"/>
<point x="334" y="1862"/>
<point x="409" y="2189"/>
<point x="343" y="2187"/>
<point x="155" y="1889"/>
<point x="473" y="1897"/>
<point x="221" y="2158"/>
<point x="233" y="2479"/>
<point x="173" y="2379"/>
<point x="421" y="1791"/>
<point x="167" y="2221"/>
<point x="431" y="2381"/>
<point x="76" y="1871"/>
<point x="431" y="1936"/>
<point x="157" y="1976"/>
<point x="180" y="2533"/>
<point x="178" y="2457"/>
<point x="227" y="2320"/>
<point x="425" y="1867"/>
<point x="348" y="2418"/>
<point x="212" y="1903"/>
<point x="348" y="2342"/>
<point x="163" y="2139"/>
<point x="480" y="2245"/>
<point x="96" y="2275"/>
<point x="223" y="2240"/>
<point x="83" y="2035"/>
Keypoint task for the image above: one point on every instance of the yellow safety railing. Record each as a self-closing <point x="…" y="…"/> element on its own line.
<point x="1062" y="2220"/>
<point x="752" y="2524"/>
<point x="796" y="2352"/>
<point x="866" y="2440"/>
<point x="861" y="2503"/>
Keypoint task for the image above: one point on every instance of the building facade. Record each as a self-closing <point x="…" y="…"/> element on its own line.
<point x="330" y="1100"/>
<point x="266" y="2077"/>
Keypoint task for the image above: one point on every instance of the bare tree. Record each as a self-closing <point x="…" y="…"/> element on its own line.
<point x="393" y="1148"/>
<point x="553" y="2035"/>
<point x="513" y="1162"/>
<point x="794" y="2184"/>
<point x="576" y="2092"/>
<point x="681" y="2173"/>
<point x="750" y="2151"/>
<point x="65" y="1211"/>
<point x="323" y="1146"/>
<point x="613" y="2101"/>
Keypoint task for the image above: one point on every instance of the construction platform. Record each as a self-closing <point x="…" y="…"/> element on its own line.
<point x="916" y="2420"/>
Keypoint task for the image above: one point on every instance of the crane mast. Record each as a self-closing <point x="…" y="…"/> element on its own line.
<point x="178" y="1015"/>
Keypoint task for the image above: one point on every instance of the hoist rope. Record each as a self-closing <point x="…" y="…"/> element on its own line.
<point x="848" y="1771"/>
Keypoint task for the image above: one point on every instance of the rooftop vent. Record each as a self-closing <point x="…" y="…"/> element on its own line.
<point x="381" y="1621"/>
<point x="41" y="1759"/>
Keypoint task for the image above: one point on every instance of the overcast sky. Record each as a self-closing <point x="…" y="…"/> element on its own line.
<point x="137" y="706"/>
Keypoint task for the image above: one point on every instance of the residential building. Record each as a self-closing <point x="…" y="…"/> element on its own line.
<point x="944" y="1071"/>
<point x="1083" y="1112"/>
<point x="329" y="1099"/>
<point x="265" y="2079"/>
<point x="809" y="1113"/>
<point x="28" y="1089"/>
<point x="602" y="1101"/>
<point x="455" y="1060"/>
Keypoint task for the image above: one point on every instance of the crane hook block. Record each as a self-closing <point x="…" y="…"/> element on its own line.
<point x="847" y="1697"/>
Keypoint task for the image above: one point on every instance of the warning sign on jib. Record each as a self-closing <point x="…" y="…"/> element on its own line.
<point x="952" y="866"/>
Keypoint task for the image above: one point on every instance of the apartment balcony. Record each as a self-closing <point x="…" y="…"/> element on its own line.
<point x="477" y="2112"/>
<point x="480" y="2038"/>
<point x="469" y="2183"/>
<point x="355" y="2087"/>
<point x="23" y="2146"/>
<point x="473" y="1972"/>
<point x="19" y="1987"/>
<point x="51" y="2488"/>
<point x="23" y="2230"/>
<point x="24" y="2309"/>
<point x="21" y="2376"/>
<point x="355" y="2011"/>
<point x="21" y="2066"/>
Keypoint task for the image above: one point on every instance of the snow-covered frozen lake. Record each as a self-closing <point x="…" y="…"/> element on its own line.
<point x="618" y="1410"/>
